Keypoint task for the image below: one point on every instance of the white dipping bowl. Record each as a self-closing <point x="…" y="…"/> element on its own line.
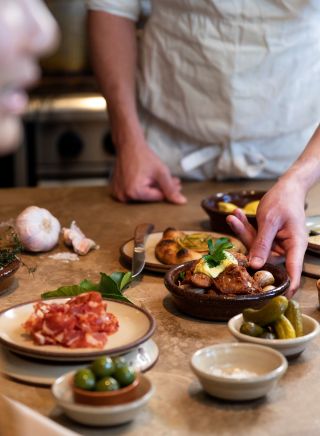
<point x="290" y="348"/>
<point x="238" y="372"/>
<point x="99" y="415"/>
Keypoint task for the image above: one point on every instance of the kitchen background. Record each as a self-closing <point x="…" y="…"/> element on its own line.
<point x="67" y="137"/>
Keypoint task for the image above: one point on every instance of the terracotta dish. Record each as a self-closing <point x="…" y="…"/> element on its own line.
<point x="222" y="307"/>
<point x="7" y="274"/>
<point x="107" y="398"/>
<point x="239" y="198"/>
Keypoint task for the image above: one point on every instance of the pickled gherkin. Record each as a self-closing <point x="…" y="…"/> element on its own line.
<point x="294" y="315"/>
<point x="284" y="329"/>
<point x="269" y="313"/>
<point x="251" y="329"/>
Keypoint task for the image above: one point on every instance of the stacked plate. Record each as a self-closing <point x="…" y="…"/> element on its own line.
<point x="21" y="359"/>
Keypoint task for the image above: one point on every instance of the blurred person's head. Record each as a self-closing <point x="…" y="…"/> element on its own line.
<point x="27" y="30"/>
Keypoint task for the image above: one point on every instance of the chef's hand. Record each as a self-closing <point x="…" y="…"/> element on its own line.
<point x="281" y="224"/>
<point x="140" y="175"/>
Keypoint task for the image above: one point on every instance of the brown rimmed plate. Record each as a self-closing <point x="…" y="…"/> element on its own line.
<point x="152" y="263"/>
<point x="136" y="326"/>
<point x="197" y="303"/>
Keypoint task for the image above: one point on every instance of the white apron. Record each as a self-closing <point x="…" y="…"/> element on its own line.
<point x="230" y="88"/>
<point x="227" y="88"/>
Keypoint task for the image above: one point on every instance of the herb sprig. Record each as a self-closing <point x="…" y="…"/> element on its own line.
<point x="216" y="251"/>
<point x="110" y="286"/>
<point x="10" y="246"/>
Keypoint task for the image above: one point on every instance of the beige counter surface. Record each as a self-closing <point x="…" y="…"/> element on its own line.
<point x="179" y="406"/>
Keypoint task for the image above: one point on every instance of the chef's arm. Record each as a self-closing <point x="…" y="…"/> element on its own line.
<point x="113" y="49"/>
<point x="281" y="216"/>
<point x="306" y="170"/>
<point x="139" y="174"/>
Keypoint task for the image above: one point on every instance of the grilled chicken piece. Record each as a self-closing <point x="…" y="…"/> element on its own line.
<point x="241" y="258"/>
<point x="200" y="280"/>
<point x="235" y="279"/>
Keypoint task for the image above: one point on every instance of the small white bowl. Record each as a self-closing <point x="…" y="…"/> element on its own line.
<point x="290" y="348"/>
<point x="238" y="371"/>
<point x="99" y="415"/>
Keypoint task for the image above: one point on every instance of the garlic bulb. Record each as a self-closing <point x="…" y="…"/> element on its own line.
<point x="37" y="229"/>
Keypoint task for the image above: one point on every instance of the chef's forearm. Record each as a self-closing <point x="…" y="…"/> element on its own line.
<point x="306" y="170"/>
<point x="114" y="57"/>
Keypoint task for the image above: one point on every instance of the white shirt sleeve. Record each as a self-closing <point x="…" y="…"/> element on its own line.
<point x="123" y="8"/>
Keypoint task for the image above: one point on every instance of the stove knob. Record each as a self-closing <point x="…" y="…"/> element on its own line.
<point x="69" y="145"/>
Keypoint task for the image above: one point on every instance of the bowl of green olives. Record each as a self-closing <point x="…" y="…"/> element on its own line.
<point x="107" y="381"/>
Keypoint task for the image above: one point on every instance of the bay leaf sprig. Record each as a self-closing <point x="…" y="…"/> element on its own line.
<point x="216" y="251"/>
<point x="109" y="286"/>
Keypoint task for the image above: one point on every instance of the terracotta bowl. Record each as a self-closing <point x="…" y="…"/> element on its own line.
<point x="108" y="398"/>
<point x="239" y="198"/>
<point x="7" y="274"/>
<point x="195" y="302"/>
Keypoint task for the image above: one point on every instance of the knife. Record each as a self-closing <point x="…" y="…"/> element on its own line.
<point x="138" y="258"/>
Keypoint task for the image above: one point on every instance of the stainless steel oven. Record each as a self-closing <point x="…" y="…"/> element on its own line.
<point x="67" y="135"/>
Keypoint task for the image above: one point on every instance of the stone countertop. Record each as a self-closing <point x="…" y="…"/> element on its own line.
<point x="179" y="406"/>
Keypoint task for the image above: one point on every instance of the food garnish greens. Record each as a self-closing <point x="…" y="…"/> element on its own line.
<point x="216" y="251"/>
<point x="10" y="246"/>
<point x="109" y="286"/>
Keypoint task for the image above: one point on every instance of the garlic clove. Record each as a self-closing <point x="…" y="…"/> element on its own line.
<point x="37" y="229"/>
<point x="74" y="237"/>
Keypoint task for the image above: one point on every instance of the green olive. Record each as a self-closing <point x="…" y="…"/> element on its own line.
<point x="125" y="375"/>
<point x="84" y="379"/>
<point x="107" y="384"/>
<point x="103" y="367"/>
<point x="119" y="362"/>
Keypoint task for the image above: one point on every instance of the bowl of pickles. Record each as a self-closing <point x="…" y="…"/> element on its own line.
<point x="107" y="381"/>
<point x="218" y="206"/>
<point x="279" y="324"/>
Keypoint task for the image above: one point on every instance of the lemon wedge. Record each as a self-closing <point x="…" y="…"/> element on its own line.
<point x="251" y="208"/>
<point x="226" y="207"/>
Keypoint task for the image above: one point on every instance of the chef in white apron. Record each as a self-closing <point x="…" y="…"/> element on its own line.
<point x="227" y="89"/>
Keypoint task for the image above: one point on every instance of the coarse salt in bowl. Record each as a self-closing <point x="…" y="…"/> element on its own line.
<point x="238" y="371"/>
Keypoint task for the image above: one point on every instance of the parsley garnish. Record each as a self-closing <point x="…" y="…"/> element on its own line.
<point x="216" y="251"/>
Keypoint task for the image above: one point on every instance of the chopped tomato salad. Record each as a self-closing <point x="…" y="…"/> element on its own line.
<point x="81" y="322"/>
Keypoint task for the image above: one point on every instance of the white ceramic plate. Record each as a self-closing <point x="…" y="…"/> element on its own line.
<point x="152" y="263"/>
<point x="99" y="415"/>
<point x="44" y="373"/>
<point x="136" y="325"/>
